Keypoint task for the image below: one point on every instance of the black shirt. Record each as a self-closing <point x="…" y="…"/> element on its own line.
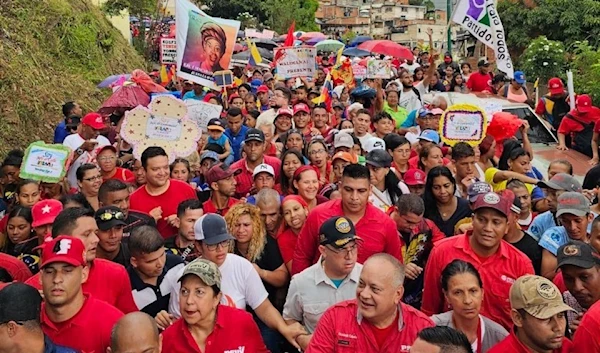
<point x="528" y="246"/>
<point x="447" y="227"/>
<point x="187" y="254"/>
<point x="123" y="257"/>
<point x="592" y="178"/>
<point x="25" y="252"/>
<point x="136" y="219"/>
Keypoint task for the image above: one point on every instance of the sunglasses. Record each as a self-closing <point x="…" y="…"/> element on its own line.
<point x="107" y="216"/>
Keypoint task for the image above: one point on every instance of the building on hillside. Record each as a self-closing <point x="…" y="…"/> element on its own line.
<point x="120" y="22"/>
<point x="339" y="16"/>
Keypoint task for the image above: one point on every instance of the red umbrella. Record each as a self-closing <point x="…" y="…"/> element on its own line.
<point x="387" y="47"/>
<point x="312" y="35"/>
<point x="238" y="47"/>
<point x="125" y="98"/>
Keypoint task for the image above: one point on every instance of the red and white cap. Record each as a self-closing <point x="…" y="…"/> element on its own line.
<point x="94" y="120"/>
<point x="584" y="103"/>
<point x="414" y="177"/>
<point x="556" y="86"/>
<point x="301" y="107"/>
<point x="45" y="211"/>
<point x="65" y="249"/>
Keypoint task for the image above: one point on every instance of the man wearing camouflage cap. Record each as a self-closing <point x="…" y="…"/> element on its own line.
<point x="538" y="316"/>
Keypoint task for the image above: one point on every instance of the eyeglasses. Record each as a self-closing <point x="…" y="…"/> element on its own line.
<point x="222" y="245"/>
<point x="107" y="216"/>
<point x="107" y="159"/>
<point x="345" y="250"/>
<point x="315" y="152"/>
<point x="94" y="178"/>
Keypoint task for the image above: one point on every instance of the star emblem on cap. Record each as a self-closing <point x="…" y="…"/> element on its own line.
<point x="46" y="209"/>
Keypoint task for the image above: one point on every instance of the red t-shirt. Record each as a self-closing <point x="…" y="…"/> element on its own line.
<point x="381" y="334"/>
<point x="498" y="272"/>
<point x="107" y="281"/>
<point x="512" y="344"/>
<point x="287" y="240"/>
<point x="587" y="336"/>
<point x="87" y="331"/>
<point x="413" y="163"/>
<point x="376" y="229"/>
<point x="209" y="206"/>
<point x="245" y="180"/>
<point x="341" y="329"/>
<point x="125" y="175"/>
<point x="479" y="82"/>
<point x="568" y="126"/>
<point x="177" y="192"/>
<point x="234" y="331"/>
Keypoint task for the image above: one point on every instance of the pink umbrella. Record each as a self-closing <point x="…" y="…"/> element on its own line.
<point x="238" y="47"/>
<point x="311" y="35"/>
<point x="387" y="47"/>
<point x="124" y="98"/>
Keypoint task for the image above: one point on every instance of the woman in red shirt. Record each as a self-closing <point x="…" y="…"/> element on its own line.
<point x="295" y="211"/>
<point x="318" y="155"/>
<point x="306" y="185"/>
<point x="107" y="161"/>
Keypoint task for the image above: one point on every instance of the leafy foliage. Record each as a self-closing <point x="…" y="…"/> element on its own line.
<point x="135" y="7"/>
<point x="586" y="69"/>
<point x="544" y="58"/>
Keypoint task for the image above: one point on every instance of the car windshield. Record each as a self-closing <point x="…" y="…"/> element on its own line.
<point x="538" y="132"/>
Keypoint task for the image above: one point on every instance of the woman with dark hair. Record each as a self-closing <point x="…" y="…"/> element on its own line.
<point x="418" y="75"/>
<point x="9" y="174"/>
<point x="20" y="239"/>
<point x="458" y="84"/>
<point x="214" y="44"/>
<point x="306" y="185"/>
<point x="463" y="289"/>
<point x="290" y="161"/>
<point x="385" y="185"/>
<point x="513" y="165"/>
<point x="442" y="206"/>
<point x="293" y="139"/>
<point x="318" y="154"/>
<point x="429" y="157"/>
<point x="487" y="152"/>
<point x="28" y="192"/>
<point x="181" y="170"/>
<point x="345" y="124"/>
<point x="399" y="148"/>
<point x="74" y="201"/>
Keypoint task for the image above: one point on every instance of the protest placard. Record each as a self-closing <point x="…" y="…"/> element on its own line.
<point x="201" y="112"/>
<point x="359" y="71"/>
<point x="165" y="123"/>
<point x="379" y="69"/>
<point x="463" y="123"/>
<point x="253" y="33"/>
<point x="296" y="62"/>
<point x="168" y="51"/>
<point x="45" y="162"/>
<point x="204" y="44"/>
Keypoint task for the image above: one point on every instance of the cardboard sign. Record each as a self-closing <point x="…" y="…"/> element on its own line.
<point x="359" y="71"/>
<point x="45" y="162"/>
<point x="379" y="69"/>
<point x="168" y="51"/>
<point x="463" y="123"/>
<point x="201" y="112"/>
<point x="223" y="78"/>
<point x="164" y="123"/>
<point x="296" y="62"/>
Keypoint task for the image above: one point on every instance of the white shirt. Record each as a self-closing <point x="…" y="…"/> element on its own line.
<point x="412" y="137"/>
<point x="311" y="292"/>
<point x="240" y="284"/>
<point x="382" y="200"/>
<point x="410" y="68"/>
<point x="409" y="99"/>
<point x="74" y="141"/>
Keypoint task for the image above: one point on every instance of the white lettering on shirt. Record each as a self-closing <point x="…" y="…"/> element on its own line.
<point x="240" y="349"/>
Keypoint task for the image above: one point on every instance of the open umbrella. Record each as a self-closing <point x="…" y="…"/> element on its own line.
<point x="245" y="55"/>
<point x="329" y="45"/>
<point x="238" y="47"/>
<point x="310" y="35"/>
<point x="387" y="47"/>
<point x="268" y="44"/>
<point x="107" y="82"/>
<point x="314" y="41"/>
<point x="125" y="98"/>
<point x="355" y="52"/>
<point x="359" y="40"/>
<point x="241" y="34"/>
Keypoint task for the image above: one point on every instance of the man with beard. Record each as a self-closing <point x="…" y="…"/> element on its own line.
<point x="223" y="185"/>
<point x="182" y="244"/>
<point x="481" y="81"/>
<point x="538" y="318"/>
<point x="71" y="317"/>
<point x="281" y="98"/>
<point x="254" y="147"/>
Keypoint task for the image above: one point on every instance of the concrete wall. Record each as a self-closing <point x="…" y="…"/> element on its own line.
<point x="120" y="22"/>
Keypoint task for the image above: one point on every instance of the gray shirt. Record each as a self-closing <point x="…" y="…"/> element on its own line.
<point x="312" y="292"/>
<point x="492" y="332"/>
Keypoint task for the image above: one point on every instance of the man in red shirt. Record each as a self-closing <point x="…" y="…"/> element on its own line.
<point x="222" y="184"/>
<point x="481" y="81"/>
<point x="575" y="122"/>
<point x="161" y="195"/>
<point x="372" y="225"/>
<point x="539" y="318"/>
<point x="498" y="263"/>
<point x="377" y="320"/>
<point x="71" y="317"/>
<point x="107" y="281"/>
<point x="254" y="147"/>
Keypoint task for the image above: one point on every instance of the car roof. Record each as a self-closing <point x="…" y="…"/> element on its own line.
<point x="478" y="99"/>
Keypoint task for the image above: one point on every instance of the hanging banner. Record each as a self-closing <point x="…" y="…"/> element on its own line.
<point x="463" y="123"/>
<point x="379" y="69"/>
<point x="201" y="112"/>
<point x="204" y="43"/>
<point x="482" y="20"/>
<point x="359" y="71"/>
<point x="296" y="62"/>
<point x="164" y="123"/>
<point x="168" y="51"/>
<point x="45" y="162"/>
<point x="253" y="33"/>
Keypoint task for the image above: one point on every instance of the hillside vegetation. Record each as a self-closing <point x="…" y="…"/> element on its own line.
<point x="52" y="51"/>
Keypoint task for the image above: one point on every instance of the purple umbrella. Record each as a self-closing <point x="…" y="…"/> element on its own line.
<point x="314" y="41"/>
<point x="107" y="82"/>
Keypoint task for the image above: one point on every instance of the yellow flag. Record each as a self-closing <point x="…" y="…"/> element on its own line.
<point x="338" y="60"/>
<point x="536" y="83"/>
<point x="255" y="57"/>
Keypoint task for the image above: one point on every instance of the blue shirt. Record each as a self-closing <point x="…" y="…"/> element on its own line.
<point x="50" y="347"/>
<point x="60" y="133"/>
<point x="192" y="95"/>
<point x="554" y="238"/>
<point x="541" y="224"/>
<point x="411" y="120"/>
<point x="236" y="140"/>
<point x="221" y="141"/>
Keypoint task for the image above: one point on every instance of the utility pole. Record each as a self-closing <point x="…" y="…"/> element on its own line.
<point x="448" y="15"/>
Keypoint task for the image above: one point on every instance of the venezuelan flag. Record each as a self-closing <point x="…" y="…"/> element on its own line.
<point x="325" y="96"/>
<point x="255" y="57"/>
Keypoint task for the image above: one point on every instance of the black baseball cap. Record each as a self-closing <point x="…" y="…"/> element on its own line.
<point x="254" y="135"/>
<point x="108" y="217"/>
<point x="379" y="158"/>
<point x="337" y="231"/>
<point x="577" y="253"/>
<point x="19" y="302"/>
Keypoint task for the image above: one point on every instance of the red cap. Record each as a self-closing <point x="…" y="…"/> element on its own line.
<point x="106" y="147"/>
<point x="296" y="198"/>
<point x="555" y="86"/>
<point x="262" y="89"/>
<point x="45" y="211"/>
<point x="493" y="201"/>
<point x="583" y="103"/>
<point x="219" y="172"/>
<point x="65" y="249"/>
<point x="301" y="107"/>
<point x="93" y="120"/>
<point x="414" y="177"/>
<point x="284" y="111"/>
<point x="231" y="97"/>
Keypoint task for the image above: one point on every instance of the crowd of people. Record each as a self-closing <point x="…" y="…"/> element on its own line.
<point x="342" y="227"/>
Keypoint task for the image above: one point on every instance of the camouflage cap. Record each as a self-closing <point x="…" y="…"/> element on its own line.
<point x="206" y="270"/>
<point x="538" y="296"/>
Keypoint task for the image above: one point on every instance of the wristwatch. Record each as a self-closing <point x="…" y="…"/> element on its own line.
<point x="79" y="151"/>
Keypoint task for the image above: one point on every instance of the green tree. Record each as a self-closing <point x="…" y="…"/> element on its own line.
<point x="135" y="7"/>
<point x="585" y="64"/>
<point x="281" y="14"/>
<point x="544" y="59"/>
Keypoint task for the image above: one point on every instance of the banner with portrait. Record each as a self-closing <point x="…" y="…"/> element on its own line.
<point x="204" y="43"/>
